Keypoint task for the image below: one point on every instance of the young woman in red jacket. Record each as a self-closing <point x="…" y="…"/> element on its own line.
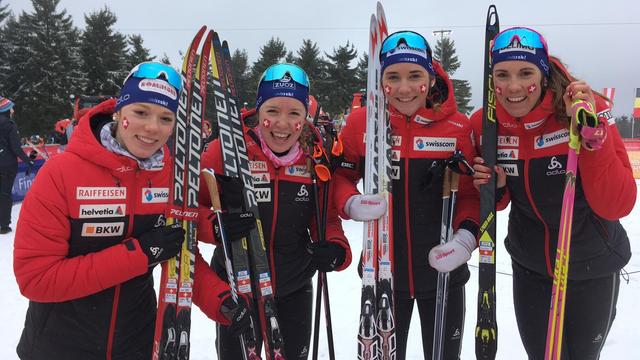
<point x="534" y="94"/>
<point x="92" y="227"/>
<point x="279" y="150"/>
<point x="426" y="130"/>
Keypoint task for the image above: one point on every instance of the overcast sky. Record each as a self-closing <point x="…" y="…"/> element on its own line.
<point x="598" y="40"/>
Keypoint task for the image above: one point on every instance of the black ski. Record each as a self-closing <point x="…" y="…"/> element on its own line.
<point x="236" y="164"/>
<point x="487" y="327"/>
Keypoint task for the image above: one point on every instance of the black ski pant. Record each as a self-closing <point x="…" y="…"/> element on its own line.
<point x="294" y="318"/>
<point x="454" y="324"/>
<point x="7" y="176"/>
<point x="589" y="311"/>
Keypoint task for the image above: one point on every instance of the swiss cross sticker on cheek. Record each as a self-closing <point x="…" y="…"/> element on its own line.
<point x="387" y="90"/>
<point x="298" y="126"/>
<point x="498" y="90"/>
<point x="125" y="123"/>
<point x="266" y="123"/>
<point x="532" y="88"/>
<point x="423" y="89"/>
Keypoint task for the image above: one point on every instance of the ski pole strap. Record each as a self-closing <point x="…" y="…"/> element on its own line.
<point x="584" y="115"/>
<point x="458" y="164"/>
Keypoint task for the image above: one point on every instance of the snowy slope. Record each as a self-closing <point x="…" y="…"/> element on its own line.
<point x="344" y="288"/>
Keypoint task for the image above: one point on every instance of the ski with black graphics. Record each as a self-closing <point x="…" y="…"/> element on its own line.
<point x="486" y="333"/>
<point x="173" y="321"/>
<point x="250" y="262"/>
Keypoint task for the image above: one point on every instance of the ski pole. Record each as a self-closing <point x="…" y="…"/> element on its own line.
<point x="249" y="349"/>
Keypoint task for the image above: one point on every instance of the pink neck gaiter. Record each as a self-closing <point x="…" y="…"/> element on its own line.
<point x="291" y="157"/>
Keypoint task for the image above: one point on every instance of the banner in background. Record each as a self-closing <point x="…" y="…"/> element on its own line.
<point x="23" y="182"/>
<point x="633" y="149"/>
<point x="610" y="93"/>
<point x="636" y="104"/>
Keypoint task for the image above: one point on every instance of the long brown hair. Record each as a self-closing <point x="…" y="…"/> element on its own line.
<point x="559" y="79"/>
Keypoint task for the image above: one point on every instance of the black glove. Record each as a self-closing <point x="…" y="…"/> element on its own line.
<point x="326" y="256"/>
<point x="231" y="192"/>
<point x="161" y="243"/>
<point x="236" y="225"/>
<point x="239" y="314"/>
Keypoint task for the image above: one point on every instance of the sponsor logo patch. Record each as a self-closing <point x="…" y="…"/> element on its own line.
<point x="508" y="141"/>
<point x="534" y="124"/>
<point x="422" y="120"/>
<point x="155" y="195"/>
<point x="261" y="178"/>
<point x="606" y="116"/>
<point x="510" y="169"/>
<point x="507" y="154"/>
<point x="395" y="172"/>
<point x="103" y="229"/>
<point x="395" y="155"/>
<point x="555" y="167"/>
<point x="263" y="194"/>
<point x="396" y="140"/>
<point x="100" y="193"/>
<point x="158" y="86"/>
<point x="101" y="211"/>
<point x="434" y="144"/>
<point x="551" y="139"/>
<point x="297" y="170"/>
<point x="303" y="194"/>
<point x="258" y="166"/>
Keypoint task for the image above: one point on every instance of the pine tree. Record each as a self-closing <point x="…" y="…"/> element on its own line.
<point x="43" y="66"/>
<point x="4" y="12"/>
<point x="242" y="76"/>
<point x="165" y="59"/>
<point x="271" y="53"/>
<point x="104" y="54"/>
<point x="341" y="80"/>
<point x="137" y="52"/>
<point x="309" y="58"/>
<point x="4" y="66"/>
<point x="361" y="72"/>
<point x="445" y="54"/>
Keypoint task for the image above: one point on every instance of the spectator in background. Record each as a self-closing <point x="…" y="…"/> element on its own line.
<point x="9" y="151"/>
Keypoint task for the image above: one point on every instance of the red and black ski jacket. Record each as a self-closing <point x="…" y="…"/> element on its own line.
<point x="533" y="152"/>
<point x="91" y="295"/>
<point x="421" y="143"/>
<point x="287" y="212"/>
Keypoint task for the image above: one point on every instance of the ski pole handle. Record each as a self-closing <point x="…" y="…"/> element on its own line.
<point x="212" y="186"/>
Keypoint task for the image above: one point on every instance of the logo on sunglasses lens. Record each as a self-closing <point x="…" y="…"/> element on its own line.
<point x="284" y="83"/>
<point x="516" y="45"/>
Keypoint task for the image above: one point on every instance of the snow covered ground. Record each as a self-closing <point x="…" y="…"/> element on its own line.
<point x="344" y="288"/>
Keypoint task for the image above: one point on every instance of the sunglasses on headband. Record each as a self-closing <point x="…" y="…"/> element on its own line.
<point x="519" y="36"/>
<point x="155" y="70"/>
<point x="410" y="38"/>
<point x="285" y="71"/>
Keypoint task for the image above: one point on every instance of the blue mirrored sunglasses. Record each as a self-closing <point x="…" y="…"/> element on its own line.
<point x="279" y="71"/>
<point x="155" y="70"/>
<point x="525" y="36"/>
<point x="410" y="38"/>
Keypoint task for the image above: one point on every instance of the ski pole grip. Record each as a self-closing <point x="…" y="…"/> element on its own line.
<point x="212" y="186"/>
<point x="455" y="178"/>
<point x="446" y="182"/>
<point x="584" y="113"/>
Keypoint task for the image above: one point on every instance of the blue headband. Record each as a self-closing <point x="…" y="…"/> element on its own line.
<point x="153" y="91"/>
<point x="285" y="87"/>
<point x="405" y="54"/>
<point x="521" y="44"/>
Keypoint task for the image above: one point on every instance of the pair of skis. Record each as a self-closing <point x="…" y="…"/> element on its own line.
<point x="376" y="334"/>
<point x="250" y="266"/>
<point x="486" y="333"/>
<point x="173" y="321"/>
